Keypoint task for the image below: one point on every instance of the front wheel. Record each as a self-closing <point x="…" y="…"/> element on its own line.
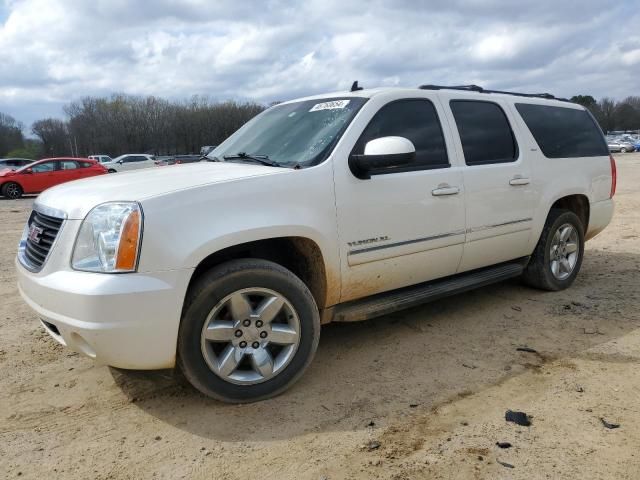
<point x="249" y="330"/>
<point x="623" y="150"/>
<point x="556" y="261"/>
<point x="111" y="170"/>
<point x="12" y="190"/>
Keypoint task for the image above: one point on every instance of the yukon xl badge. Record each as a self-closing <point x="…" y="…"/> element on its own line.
<point x="368" y="241"/>
<point x="34" y="233"/>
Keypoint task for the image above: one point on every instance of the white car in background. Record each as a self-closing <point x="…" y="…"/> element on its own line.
<point x="130" y="161"/>
<point x="101" y="158"/>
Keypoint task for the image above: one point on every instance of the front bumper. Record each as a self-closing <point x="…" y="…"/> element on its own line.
<point x="123" y="320"/>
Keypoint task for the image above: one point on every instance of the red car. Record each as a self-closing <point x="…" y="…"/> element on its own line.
<point x="45" y="173"/>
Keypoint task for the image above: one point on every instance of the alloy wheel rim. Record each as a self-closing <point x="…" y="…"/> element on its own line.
<point x="12" y="191"/>
<point x="564" y="252"/>
<point x="250" y="336"/>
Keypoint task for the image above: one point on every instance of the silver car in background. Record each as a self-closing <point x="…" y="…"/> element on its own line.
<point x="619" y="145"/>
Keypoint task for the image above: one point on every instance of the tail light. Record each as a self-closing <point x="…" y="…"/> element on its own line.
<point x="614" y="176"/>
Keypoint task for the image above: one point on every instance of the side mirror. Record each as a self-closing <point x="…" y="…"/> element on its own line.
<point x="384" y="152"/>
<point x="120" y="162"/>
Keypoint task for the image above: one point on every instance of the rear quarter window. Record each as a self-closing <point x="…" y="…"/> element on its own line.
<point x="563" y="132"/>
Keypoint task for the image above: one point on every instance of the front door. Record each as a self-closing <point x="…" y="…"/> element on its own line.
<point x="404" y="225"/>
<point x="41" y="177"/>
<point x="497" y="178"/>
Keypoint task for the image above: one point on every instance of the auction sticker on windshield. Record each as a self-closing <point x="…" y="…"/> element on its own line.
<point x="334" y="105"/>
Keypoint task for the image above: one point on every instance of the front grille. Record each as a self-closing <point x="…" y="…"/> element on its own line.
<point x="42" y="231"/>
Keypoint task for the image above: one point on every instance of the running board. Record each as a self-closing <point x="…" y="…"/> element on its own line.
<point x="389" y="302"/>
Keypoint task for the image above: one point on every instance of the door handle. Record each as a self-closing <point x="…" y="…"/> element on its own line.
<point x="445" y="190"/>
<point x="518" y="180"/>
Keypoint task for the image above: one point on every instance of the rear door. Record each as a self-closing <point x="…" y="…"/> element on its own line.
<point x="497" y="179"/>
<point x="67" y="170"/>
<point x="404" y="225"/>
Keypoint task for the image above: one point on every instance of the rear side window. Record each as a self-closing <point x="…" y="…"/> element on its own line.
<point x="485" y="132"/>
<point x="68" y="165"/>
<point x="416" y="120"/>
<point x="563" y="132"/>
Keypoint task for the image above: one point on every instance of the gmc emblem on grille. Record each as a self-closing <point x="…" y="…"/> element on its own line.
<point x="34" y="233"/>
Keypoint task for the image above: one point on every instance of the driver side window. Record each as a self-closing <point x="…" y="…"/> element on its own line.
<point x="416" y="120"/>
<point x="43" y="167"/>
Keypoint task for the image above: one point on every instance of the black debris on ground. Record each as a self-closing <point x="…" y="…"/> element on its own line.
<point x="505" y="464"/>
<point x="526" y="349"/>
<point x="519" y="418"/>
<point x="503" y="444"/>
<point x="608" y="425"/>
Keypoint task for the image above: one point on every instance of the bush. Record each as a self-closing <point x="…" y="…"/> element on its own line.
<point x="31" y="152"/>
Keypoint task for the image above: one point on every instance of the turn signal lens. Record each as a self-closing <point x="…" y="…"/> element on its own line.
<point x="128" y="245"/>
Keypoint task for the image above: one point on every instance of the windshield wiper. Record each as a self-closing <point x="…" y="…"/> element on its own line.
<point x="262" y="159"/>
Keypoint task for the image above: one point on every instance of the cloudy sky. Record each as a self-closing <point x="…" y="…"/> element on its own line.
<point x="55" y="51"/>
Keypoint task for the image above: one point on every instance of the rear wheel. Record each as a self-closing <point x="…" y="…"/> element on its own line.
<point x="111" y="170"/>
<point x="556" y="261"/>
<point x="12" y="190"/>
<point x="249" y="330"/>
<point x="623" y="150"/>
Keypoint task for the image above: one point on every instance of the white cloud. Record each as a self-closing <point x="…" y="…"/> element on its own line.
<point x="55" y="51"/>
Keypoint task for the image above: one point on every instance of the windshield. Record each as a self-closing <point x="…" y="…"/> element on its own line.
<point x="299" y="134"/>
<point x="29" y="165"/>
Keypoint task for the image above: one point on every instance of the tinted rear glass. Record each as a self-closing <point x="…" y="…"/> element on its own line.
<point x="485" y="132"/>
<point x="563" y="132"/>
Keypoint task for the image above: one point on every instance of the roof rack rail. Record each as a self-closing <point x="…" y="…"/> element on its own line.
<point x="476" y="88"/>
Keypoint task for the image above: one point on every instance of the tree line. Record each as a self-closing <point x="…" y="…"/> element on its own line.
<point x="131" y="124"/>
<point x="146" y="124"/>
<point x="613" y="115"/>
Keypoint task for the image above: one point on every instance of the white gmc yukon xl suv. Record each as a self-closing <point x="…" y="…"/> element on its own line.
<point x="337" y="207"/>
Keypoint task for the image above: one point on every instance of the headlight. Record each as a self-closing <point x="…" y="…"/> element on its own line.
<point x="109" y="239"/>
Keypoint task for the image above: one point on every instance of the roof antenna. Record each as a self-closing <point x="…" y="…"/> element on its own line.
<point x="355" y="87"/>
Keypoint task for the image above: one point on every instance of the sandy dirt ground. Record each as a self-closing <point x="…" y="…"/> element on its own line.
<point x="419" y="394"/>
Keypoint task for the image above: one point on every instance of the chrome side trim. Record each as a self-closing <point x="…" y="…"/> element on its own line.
<point x="496" y="225"/>
<point x="437" y="237"/>
<point x="406" y="242"/>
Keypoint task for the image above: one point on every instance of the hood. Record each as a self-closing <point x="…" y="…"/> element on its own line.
<point x="77" y="198"/>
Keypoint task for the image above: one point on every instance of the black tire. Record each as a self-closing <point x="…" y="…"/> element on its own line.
<point x="210" y="289"/>
<point x="111" y="170"/>
<point x="538" y="272"/>
<point x="12" y="191"/>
